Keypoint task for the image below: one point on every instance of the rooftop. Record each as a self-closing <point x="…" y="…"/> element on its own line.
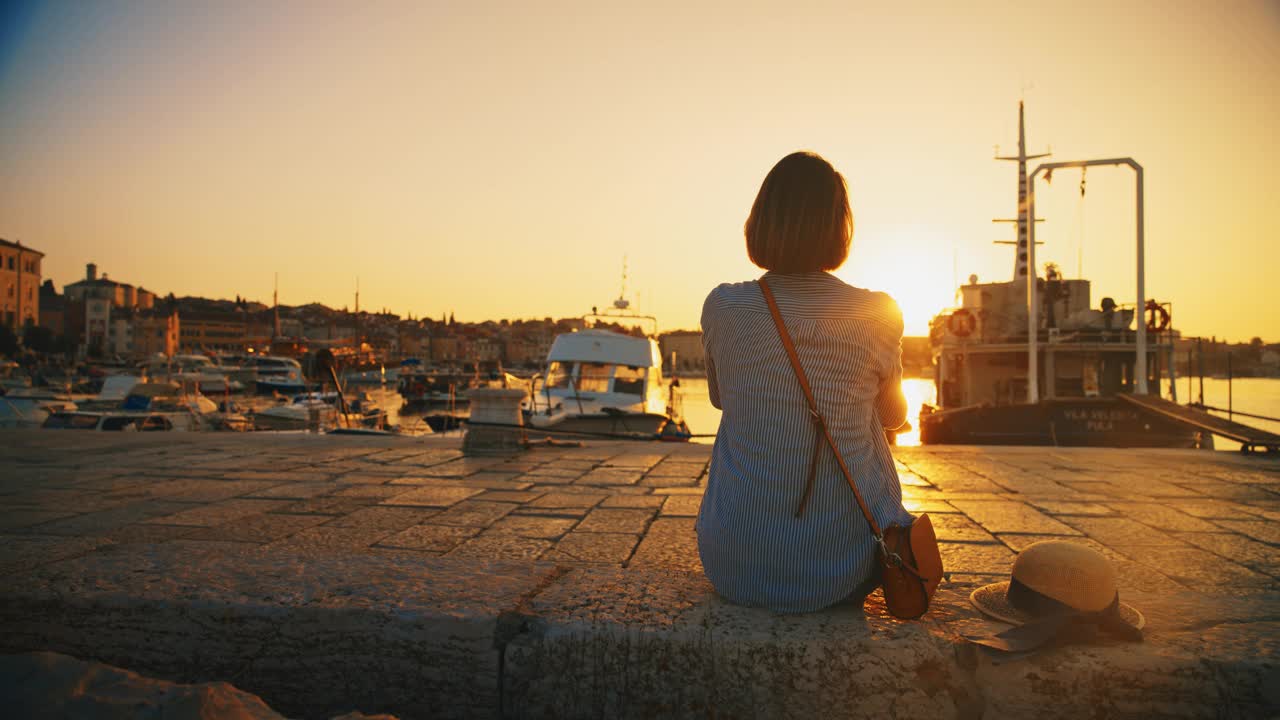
<point x="19" y="246"/>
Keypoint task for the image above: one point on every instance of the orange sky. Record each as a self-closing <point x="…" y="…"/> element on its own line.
<point x="499" y="160"/>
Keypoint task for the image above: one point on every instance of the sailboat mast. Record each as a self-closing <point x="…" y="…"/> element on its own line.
<point x="275" y="309"/>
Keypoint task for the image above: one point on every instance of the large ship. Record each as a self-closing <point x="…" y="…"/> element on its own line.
<point x="1095" y="374"/>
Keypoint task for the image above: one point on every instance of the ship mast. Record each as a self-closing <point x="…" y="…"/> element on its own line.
<point x="1023" y="220"/>
<point x="275" y="309"/>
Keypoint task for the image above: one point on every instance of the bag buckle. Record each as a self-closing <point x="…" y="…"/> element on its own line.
<point x="890" y="558"/>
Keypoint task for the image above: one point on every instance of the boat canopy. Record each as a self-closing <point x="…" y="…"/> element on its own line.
<point x="116" y="387"/>
<point x="603" y="346"/>
<point x="156" y="389"/>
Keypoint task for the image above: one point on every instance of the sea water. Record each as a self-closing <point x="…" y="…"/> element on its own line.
<point x="1258" y="396"/>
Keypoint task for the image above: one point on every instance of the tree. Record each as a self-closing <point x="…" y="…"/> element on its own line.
<point x="8" y="341"/>
<point x="39" y="338"/>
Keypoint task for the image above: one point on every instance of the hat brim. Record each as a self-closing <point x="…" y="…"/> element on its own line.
<point x="992" y="600"/>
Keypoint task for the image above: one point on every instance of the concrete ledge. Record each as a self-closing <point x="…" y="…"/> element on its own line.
<point x="391" y="575"/>
<point x="631" y="645"/>
<point x="313" y="636"/>
<point x="316" y="636"/>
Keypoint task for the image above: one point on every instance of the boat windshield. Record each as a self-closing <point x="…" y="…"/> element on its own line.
<point x="594" y="377"/>
<point x="583" y="377"/>
<point x="629" y="380"/>
<point x="559" y="375"/>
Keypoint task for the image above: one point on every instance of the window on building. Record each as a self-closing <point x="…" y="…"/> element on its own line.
<point x="10" y="262"/>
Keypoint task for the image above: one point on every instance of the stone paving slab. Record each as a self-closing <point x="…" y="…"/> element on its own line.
<point x="313" y="566"/>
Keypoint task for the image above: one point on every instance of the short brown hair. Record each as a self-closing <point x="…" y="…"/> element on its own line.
<point x="801" y="221"/>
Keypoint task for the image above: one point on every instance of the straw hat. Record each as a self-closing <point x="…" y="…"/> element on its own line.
<point x="1055" y="583"/>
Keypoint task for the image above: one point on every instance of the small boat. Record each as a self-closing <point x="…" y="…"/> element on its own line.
<point x="373" y="376"/>
<point x="21" y="412"/>
<point x="320" y="410"/>
<point x="198" y="369"/>
<point x="435" y="386"/>
<point x="148" y="406"/>
<point x="602" y="382"/>
<point x="301" y="415"/>
<point x="278" y="375"/>
<point x="13" y="377"/>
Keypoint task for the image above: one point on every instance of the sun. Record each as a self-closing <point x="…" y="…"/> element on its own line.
<point x="921" y="281"/>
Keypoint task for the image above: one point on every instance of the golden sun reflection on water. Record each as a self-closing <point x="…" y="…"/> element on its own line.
<point x="703" y="418"/>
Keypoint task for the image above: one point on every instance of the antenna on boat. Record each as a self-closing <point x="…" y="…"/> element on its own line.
<point x="622" y="303"/>
<point x="1024" y="219"/>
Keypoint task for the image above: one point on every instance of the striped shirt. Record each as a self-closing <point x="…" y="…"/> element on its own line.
<point x="753" y="548"/>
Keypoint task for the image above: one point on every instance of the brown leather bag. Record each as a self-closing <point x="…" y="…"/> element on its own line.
<point x="910" y="564"/>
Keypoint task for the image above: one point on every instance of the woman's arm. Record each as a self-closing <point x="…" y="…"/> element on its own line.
<point x="707" y="323"/>
<point x="891" y="404"/>
<point x="713" y="389"/>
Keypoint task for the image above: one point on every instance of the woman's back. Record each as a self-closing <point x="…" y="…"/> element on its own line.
<point x="754" y="549"/>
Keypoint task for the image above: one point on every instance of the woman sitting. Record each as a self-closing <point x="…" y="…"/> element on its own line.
<point x="771" y="532"/>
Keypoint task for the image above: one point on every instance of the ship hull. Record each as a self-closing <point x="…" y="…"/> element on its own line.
<point x="623" y="425"/>
<point x="1074" y="422"/>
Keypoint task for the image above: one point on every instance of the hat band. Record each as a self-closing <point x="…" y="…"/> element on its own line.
<point x="1055" y="622"/>
<point x="1037" y="603"/>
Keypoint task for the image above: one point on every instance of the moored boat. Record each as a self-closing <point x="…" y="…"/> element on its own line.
<point x="1083" y="361"/>
<point x="147" y="406"/>
<point x="276" y="374"/>
<point x="605" y="382"/>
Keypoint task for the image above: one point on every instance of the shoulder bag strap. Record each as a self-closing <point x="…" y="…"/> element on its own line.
<point x="819" y="422"/>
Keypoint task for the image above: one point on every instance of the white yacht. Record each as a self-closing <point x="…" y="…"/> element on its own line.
<point x="199" y="369"/>
<point x="605" y="382"/>
<point x="278" y="375"/>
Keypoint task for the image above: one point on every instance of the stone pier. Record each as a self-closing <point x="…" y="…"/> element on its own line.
<point x="331" y="574"/>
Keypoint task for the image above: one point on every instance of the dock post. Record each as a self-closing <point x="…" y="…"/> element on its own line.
<point x="1200" y="353"/>
<point x="496" y="426"/>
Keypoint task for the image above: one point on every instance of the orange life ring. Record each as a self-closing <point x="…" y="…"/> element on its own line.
<point x="1157" y="316"/>
<point x="962" y="323"/>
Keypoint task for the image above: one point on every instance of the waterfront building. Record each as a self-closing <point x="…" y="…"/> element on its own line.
<point x="156" y="332"/>
<point x="119" y="339"/>
<point x="444" y="349"/>
<point x="212" y="330"/>
<point x="90" y="305"/>
<point x="527" y="350"/>
<point x="486" y="349"/>
<point x="19" y="285"/>
<point x="413" y="341"/>
<point x="120" y="295"/>
<point x="53" y="308"/>
<point x="686" y="345"/>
